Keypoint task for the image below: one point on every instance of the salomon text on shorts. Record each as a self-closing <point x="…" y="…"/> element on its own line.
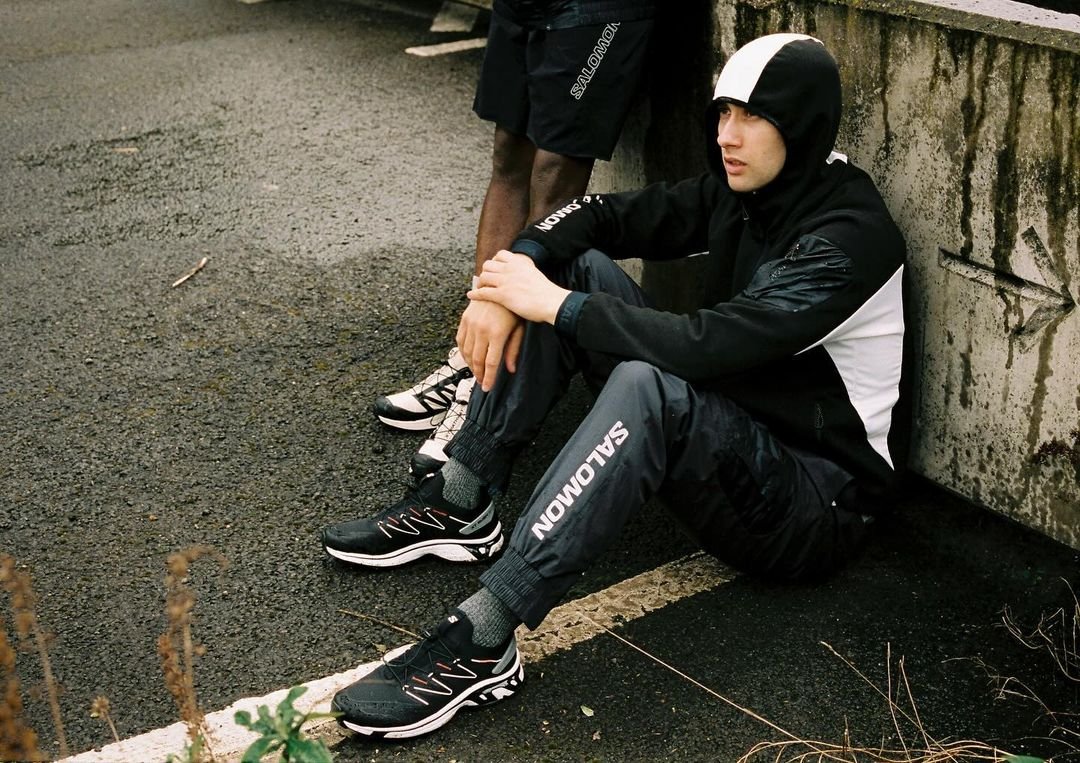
<point x="567" y="90"/>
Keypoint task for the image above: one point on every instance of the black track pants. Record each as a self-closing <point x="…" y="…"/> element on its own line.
<point x="747" y="498"/>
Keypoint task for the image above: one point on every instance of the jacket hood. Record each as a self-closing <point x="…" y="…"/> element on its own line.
<point x="792" y="81"/>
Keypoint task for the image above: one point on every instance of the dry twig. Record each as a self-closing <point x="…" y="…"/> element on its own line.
<point x="380" y="622"/>
<point x="201" y="264"/>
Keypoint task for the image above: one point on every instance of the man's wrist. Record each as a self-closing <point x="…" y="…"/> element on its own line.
<point x="566" y="317"/>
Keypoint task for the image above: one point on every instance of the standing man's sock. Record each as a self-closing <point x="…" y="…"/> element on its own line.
<point x="492" y="621"/>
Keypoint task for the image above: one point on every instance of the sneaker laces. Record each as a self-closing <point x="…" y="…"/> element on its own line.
<point x="423" y="659"/>
<point x="440" y="374"/>
<point x="413" y="498"/>
<point x="455" y="414"/>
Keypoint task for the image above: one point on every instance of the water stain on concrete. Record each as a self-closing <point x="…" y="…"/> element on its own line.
<point x="883" y="160"/>
<point x="967" y="379"/>
<point x="973" y="110"/>
<point x="1063" y="172"/>
<point x="1006" y="186"/>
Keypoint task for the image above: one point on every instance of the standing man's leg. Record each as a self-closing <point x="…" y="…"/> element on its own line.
<point x="525" y="184"/>
<point x="506" y="204"/>
<point x="502" y="97"/>
<point x="547" y="138"/>
<point x="555" y="178"/>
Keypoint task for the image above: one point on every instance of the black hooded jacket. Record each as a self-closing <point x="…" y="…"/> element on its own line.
<point x="805" y="327"/>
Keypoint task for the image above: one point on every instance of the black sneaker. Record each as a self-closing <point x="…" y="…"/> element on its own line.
<point x="422" y="522"/>
<point x="432" y="454"/>
<point x="422" y="689"/>
<point x="424" y="405"/>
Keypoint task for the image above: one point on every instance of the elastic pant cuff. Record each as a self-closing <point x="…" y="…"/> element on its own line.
<point x="519" y="586"/>
<point x="479" y="451"/>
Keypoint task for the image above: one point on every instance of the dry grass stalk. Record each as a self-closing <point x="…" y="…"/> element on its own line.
<point x="807" y="751"/>
<point x="177" y="647"/>
<point x="1057" y="634"/>
<point x="794" y="749"/>
<point x="17" y="740"/>
<point x="24" y="611"/>
<point x="100" y="708"/>
<point x="914" y="742"/>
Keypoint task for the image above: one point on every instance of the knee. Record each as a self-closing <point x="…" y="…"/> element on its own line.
<point x="634" y="375"/>
<point x="590" y="260"/>
<point x="512" y="158"/>
<point x="583" y="271"/>
<point x="579" y="274"/>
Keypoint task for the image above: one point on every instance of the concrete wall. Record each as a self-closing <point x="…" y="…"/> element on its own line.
<point x="966" y="113"/>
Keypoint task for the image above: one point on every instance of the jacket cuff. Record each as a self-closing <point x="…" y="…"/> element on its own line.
<point x="566" y="320"/>
<point x="531" y="249"/>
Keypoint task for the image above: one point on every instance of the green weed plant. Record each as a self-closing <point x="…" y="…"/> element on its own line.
<point x="283" y="731"/>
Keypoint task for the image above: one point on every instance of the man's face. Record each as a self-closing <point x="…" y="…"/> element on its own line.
<point x="754" y="151"/>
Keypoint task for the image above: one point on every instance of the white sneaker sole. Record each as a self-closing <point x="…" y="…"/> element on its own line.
<point x="458" y="551"/>
<point x="484" y="693"/>
<point x="414" y="425"/>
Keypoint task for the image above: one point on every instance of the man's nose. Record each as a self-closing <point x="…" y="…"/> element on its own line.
<point x="729" y="135"/>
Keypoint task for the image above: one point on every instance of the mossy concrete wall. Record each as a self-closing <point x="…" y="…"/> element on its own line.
<point x="966" y="113"/>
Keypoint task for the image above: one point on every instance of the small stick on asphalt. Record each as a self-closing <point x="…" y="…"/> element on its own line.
<point x="696" y="683"/>
<point x="380" y="622"/>
<point x="190" y="273"/>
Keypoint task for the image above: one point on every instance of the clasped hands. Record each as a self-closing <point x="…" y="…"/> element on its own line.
<point x="511" y="290"/>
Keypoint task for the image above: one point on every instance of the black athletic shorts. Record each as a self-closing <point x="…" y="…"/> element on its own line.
<point x="567" y="90"/>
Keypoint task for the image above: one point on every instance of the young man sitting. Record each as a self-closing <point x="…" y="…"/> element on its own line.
<point x="767" y="422"/>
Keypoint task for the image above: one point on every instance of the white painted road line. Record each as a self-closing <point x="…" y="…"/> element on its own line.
<point x="566" y="625"/>
<point x="443" y="48"/>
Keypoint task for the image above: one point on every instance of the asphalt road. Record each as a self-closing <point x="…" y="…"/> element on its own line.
<point x="333" y="184"/>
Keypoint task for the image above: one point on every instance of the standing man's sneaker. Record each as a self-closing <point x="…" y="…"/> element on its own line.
<point x="432" y="454"/>
<point x="422" y="689"/>
<point x="421" y="523"/>
<point x="424" y="405"/>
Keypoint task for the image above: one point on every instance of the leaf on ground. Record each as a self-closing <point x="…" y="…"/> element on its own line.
<point x="587" y="711"/>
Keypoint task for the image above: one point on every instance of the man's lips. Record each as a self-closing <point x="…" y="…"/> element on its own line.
<point x="733" y="165"/>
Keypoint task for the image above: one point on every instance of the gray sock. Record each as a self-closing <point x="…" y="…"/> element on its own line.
<point x="492" y="621"/>
<point x="460" y="485"/>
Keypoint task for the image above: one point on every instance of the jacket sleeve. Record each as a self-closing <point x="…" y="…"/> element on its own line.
<point x="789" y="305"/>
<point x="659" y="222"/>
